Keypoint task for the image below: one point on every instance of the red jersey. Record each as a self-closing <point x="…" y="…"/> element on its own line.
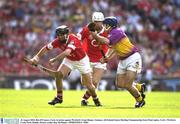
<point x="90" y="45"/>
<point x="72" y="43"/>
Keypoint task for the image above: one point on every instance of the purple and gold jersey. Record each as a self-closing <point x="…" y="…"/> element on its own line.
<point x="121" y="43"/>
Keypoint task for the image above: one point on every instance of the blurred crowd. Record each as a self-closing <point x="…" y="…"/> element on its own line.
<point x="153" y="25"/>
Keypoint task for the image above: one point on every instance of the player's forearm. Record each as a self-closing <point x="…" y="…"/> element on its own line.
<point x="110" y="53"/>
<point x="100" y="39"/>
<point x="62" y="55"/>
<point x="41" y="52"/>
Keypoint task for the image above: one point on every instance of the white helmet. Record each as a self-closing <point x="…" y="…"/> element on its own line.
<point x="97" y="16"/>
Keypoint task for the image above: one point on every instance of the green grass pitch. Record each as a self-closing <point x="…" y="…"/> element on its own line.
<point x="116" y="104"/>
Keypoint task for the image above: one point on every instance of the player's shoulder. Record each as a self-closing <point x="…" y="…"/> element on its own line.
<point x="85" y="28"/>
<point x="53" y="44"/>
<point x="73" y="37"/>
<point x="117" y="30"/>
<point x="55" y="40"/>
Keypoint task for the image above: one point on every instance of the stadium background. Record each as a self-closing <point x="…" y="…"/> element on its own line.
<point x="153" y="25"/>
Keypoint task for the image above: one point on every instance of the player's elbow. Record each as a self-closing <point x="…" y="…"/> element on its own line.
<point x="106" y="41"/>
<point x="67" y="52"/>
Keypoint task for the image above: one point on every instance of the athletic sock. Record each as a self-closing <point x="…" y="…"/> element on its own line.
<point x="86" y="95"/>
<point x="139" y="99"/>
<point x="60" y="94"/>
<point x="94" y="97"/>
<point x="138" y="86"/>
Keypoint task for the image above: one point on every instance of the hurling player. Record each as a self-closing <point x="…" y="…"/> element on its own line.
<point x="74" y="57"/>
<point x="130" y="62"/>
<point x="94" y="50"/>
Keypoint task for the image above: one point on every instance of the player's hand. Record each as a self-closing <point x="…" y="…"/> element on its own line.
<point x="91" y="26"/>
<point x="34" y="60"/>
<point x="52" y="61"/>
<point x="107" y="28"/>
<point x="104" y="60"/>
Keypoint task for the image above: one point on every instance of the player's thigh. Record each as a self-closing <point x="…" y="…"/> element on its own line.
<point x="65" y="67"/>
<point x="85" y="69"/>
<point x="130" y="77"/>
<point x="121" y="73"/>
<point x="86" y="79"/>
<point x="134" y="63"/>
<point x="126" y="79"/>
<point x="83" y="65"/>
<point x="97" y="75"/>
<point x="64" y="70"/>
<point x="121" y="69"/>
<point x="120" y="80"/>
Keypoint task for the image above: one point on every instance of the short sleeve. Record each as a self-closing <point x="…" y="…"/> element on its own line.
<point x="71" y="45"/>
<point x="116" y="35"/>
<point x="52" y="45"/>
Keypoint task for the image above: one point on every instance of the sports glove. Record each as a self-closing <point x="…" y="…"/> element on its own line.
<point x="91" y="26"/>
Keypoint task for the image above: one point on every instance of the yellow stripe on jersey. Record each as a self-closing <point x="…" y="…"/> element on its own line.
<point x="124" y="47"/>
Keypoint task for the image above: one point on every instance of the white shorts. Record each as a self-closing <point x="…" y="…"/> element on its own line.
<point x="98" y="65"/>
<point x="132" y="63"/>
<point x="83" y="65"/>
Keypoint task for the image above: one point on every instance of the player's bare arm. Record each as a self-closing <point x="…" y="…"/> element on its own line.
<point x="109" y="55"/>
<point x="61" y="56"/>
<point x="100" y="39"/>
<point x="41" y="52"/>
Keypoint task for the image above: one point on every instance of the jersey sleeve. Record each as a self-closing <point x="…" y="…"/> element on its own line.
<point x="83" y="34"/>
<point x="115" y="36"/>
<point x="52" y="45"/>
<point x="71" y="43"/>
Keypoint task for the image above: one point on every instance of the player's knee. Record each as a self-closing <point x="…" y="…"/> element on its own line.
<point x="95" y="82"/>
<point x="84" y="81"/>
<point x="59" y="75"/>
<point x="95" y="85"/>
<point x="90" y="87"/>
<point x="120" y="84"/>
<point x="127" y="85"/>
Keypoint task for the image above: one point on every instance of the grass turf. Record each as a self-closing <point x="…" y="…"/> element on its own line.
<point x="116" y="104"/>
